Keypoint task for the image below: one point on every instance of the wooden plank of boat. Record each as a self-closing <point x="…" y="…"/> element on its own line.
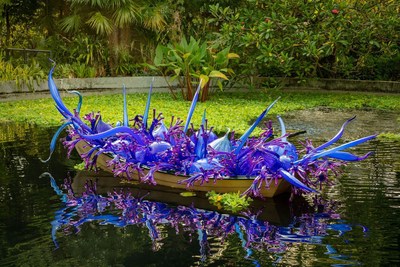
<point x="226" y="185"/>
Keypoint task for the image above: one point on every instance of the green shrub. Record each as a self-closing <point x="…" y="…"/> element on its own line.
<point x="190" y="62"/>
<point x="22" y="74"/>
<point x="328" y="39"/>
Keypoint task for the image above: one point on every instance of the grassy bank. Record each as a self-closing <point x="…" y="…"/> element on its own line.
<point x="224" y="110"/>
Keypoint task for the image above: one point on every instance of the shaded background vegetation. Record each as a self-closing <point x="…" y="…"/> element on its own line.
<point x="306" y="39"/>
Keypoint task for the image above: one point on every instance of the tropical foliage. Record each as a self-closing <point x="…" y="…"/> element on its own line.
<point x="23" y="75"/>
<point x="346" y="39"/>
<point x="189" y="62"/>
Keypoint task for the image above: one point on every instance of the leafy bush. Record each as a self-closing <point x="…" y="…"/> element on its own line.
<point x="22" y="74"/>
<point x="189" y="62"/>
<point x="75" y="70"/>
<point x="80" y="51"/>
<point x="335" y="39"/>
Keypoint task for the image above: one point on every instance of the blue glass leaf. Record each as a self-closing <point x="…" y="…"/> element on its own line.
<point x="204" y="164"/>
<point x="160" y="131"/>
<point x="159" y="146"/>
<point x="222" y="144"/>
<point x="101" y="126"/>
<point x="200" y="146"/>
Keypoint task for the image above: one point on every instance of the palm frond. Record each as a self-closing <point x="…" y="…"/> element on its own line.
<point x="127" y="13"/>
<point x="91" y="3"/>
<point x="154" y="18"/>
<point x="100" y="23"/>
<point x="71" y="23"/>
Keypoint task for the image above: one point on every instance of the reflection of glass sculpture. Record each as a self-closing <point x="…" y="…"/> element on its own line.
<point x="181" y="157"/>
<point x="121" y="209"/>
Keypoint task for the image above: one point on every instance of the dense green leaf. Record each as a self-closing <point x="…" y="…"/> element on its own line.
<point x="218" y="74"/>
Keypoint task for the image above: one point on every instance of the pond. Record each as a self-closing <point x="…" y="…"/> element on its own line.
<point x="355" y="223"/>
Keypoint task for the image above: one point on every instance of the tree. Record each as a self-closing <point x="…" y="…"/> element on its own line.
<point x="14" y="12"/>
<point x="121" y="21"/>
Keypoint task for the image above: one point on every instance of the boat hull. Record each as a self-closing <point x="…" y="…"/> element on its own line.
<point x="225" y="185"/>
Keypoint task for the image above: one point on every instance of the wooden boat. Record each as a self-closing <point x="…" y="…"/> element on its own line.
<point x="226" y="185"/>
<point x="270" y="159"/>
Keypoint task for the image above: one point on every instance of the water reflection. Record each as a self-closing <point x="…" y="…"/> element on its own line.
<point x="121" y="208"/>
<point x="368" y="193"/>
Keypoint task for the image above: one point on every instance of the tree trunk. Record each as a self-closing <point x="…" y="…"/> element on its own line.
<point x="189" y="89"/>
<point x="119" y="40"/>
<point x="8" y="26"/>
<point x="205" y="91"/>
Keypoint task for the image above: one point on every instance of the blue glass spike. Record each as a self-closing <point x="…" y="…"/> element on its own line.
<point x="55" y="94"/>
<point x="54" y="140"/>
<point x="348" y="156"/>
<point x="125" y="107"/>
<point x="294" y="181"/>
<point x="283" y="128"/>
<point x="203" y="120"/>
<point x="335" y="149"/>
<point x="147" y="108"/>
<point x="337" y="136"/>
<point x="243" y="138"/>
<point x="342" y="147"/>
<point x="114" y="131"/>
<point x="78" y="108"/>
<point x="192" y="107"/>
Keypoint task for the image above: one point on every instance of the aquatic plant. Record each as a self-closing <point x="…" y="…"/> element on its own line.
<point x="145" y="148"/>
<point x="233" y="202"/>
<point x="389" y="136"/>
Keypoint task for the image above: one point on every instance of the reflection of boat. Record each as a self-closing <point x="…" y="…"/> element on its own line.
<point x="225" y="185"/>
<point x="275" y="210"/>
<point x="122" y="208"/>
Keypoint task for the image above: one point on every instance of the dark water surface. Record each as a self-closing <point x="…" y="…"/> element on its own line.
<point x="360" y="226"/>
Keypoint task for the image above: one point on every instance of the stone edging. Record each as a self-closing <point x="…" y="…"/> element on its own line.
<point x="342" y="85"/>
<point x="142" y="84"/>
